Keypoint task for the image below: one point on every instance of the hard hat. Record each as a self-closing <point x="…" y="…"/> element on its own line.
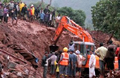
<point x="65" y="49"/>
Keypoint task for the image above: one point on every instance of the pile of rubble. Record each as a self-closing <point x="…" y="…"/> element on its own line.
<point x="99" y="36"/>
<point x="31" y="38"/>
<point x="26" y="37"/>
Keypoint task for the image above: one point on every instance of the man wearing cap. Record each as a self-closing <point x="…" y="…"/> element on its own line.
<point x="92" y="63"/>
<point x="72" y="64"/>
<point x="33" y="9"/>
<point x="32" y="12"/>
<point x="64" y="60"/>
<point x="80" y="59"/>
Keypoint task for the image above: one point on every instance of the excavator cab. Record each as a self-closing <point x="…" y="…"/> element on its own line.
<point x="84" y="48"/>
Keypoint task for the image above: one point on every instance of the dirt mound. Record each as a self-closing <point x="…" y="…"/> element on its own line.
<point x="35" y="39"/>
<point x="31" y="38"/>
<point x="99" y="36"/>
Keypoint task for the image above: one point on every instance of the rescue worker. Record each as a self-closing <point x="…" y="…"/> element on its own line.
<point x="118" y="55"/>
<point x="32" y="12"/>
<point x="64" y="59"/>
<point x="92" y="63"/>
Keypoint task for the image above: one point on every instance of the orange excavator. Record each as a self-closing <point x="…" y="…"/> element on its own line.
<point x="86" y="43"/>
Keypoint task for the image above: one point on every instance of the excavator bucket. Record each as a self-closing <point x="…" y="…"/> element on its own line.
<point x="53" y="48"/>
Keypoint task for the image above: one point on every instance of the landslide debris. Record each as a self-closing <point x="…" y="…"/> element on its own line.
<point x="26" y="37"/>
<point x="35" y="39"/>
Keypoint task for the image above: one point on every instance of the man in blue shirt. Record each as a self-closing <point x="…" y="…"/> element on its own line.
<point x="72" y="64"/>
<point x="42" y="15"/>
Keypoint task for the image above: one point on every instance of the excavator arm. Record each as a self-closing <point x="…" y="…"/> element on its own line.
<point x="66" y="23"/>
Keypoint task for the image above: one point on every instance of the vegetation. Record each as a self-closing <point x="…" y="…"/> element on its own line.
<point x="106" y="16"/>
<point x="77" y="15"/>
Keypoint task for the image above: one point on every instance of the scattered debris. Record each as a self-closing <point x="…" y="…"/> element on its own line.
<point x="28" y="42"/>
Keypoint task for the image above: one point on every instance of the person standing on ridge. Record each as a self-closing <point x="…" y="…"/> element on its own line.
<point x="1" y="13"/>
<point x="24" y="11"/>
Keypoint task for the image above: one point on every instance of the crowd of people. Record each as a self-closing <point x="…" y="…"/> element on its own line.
<point x="21" y="10"/>
<point x="68" y="63"/>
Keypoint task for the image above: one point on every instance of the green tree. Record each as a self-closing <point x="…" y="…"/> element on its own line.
<point x="77" y="15"/>
<point x="106" y="16"/>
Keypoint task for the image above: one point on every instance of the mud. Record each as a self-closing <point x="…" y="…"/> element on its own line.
<point x="35" y="39"/>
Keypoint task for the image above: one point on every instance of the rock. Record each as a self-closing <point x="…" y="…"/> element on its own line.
<point x="19" y="74"/>
<point x="11" y="65"/>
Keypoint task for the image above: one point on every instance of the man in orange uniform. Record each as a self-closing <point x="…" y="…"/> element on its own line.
<point x="64" y="59"/>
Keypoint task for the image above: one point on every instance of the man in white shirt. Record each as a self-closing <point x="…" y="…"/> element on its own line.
<point x="92" y="63"/>
<point x="58" y="19"/>
<point x="50" y="18"/>
<point x="71" y="45"/>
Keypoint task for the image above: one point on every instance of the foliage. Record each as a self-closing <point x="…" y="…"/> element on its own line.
<point x="77" y="15"/>
<point x="106" y="16"/>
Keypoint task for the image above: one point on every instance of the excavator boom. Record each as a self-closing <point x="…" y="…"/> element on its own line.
<point x="70" y="25"/>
